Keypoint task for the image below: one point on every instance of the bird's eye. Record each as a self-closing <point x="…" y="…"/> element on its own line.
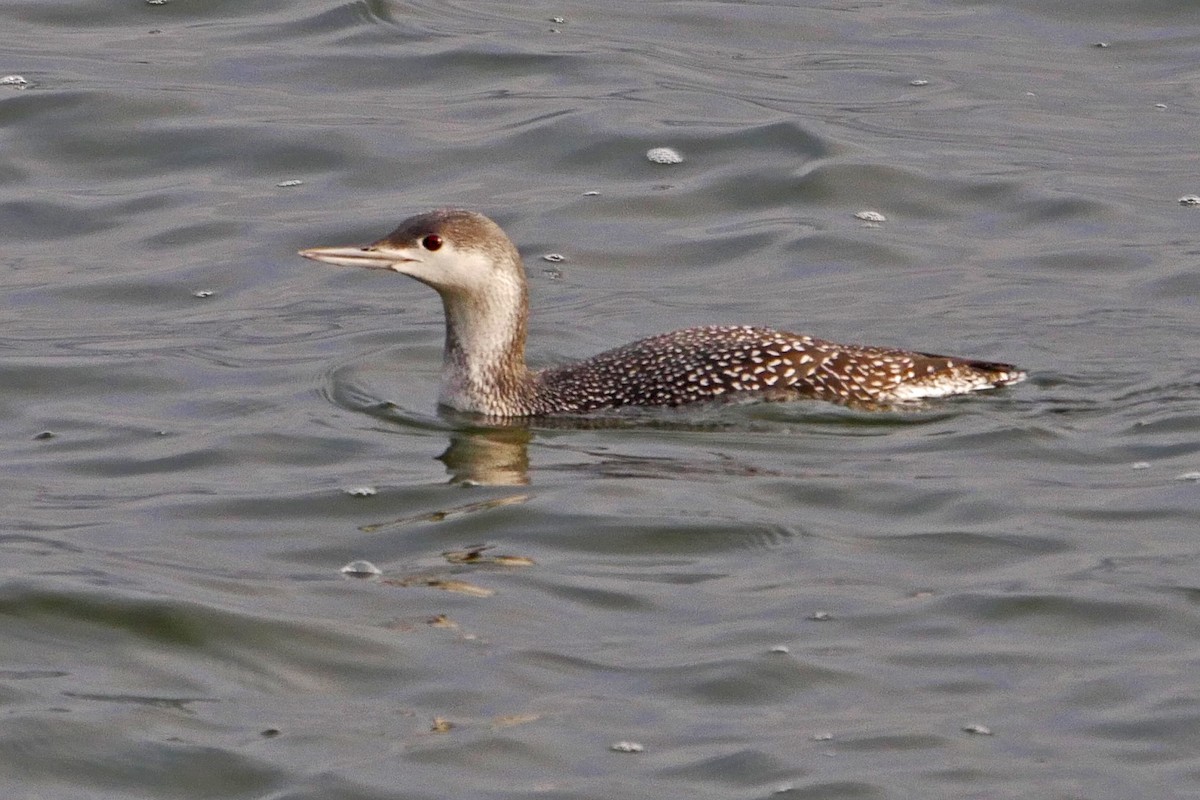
<point x="431" y="242"/>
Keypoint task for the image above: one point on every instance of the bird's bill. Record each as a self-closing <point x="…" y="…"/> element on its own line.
<point x="370" y="257"/>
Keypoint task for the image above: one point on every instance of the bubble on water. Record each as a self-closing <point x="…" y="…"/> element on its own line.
<point x="626" y="747"/>
<point x="918" y="82"/>
<point x="664" y="155"/>
<point x="1189" y="200"/>
<point x="361" y="569"/>
<point x="781" y="648"/>
<point x="870" y="216"/>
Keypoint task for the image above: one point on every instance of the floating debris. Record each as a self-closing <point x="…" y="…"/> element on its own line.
<point x="361" y="491"/>
<point x="474" y="554"/>
<point x="554" y="258"/>
<point x="558" y="20"/>
<point x="290" y="183"/>
<point x="15" y="81"/>
<point x="1189" y="200"/>
<point x="471" y="554"/>
<point x="444" y="622"/>
<point x="918" y="82"/>
<point x="820" y="616"/>
<point x="510" y="720"/>
<point x="977" y="730"/>
<point x="626" y="747"/>
<point x="591" y="193"/>
<point x="156" y="2"/>
<point x="1188" y="476"/>
<point x="1140" y="465"/>
<point x="203" y="294"/>
<point x="270" y="733"/>
<point x="439" y="516"/>
<point x="1100" y="44"/>
<point x="513" y="561"/>
<point x="781" y="648"/>
<point x="664" y="155"/>
<point x="870" y="216"/>
<point x="44" y="435"/>
<point x="823" y="736"/>
<point x="361" y="569"/>
<point x="461" y="587"/>
<point x="1160" y="105"/>
<point x="441" y="725"/>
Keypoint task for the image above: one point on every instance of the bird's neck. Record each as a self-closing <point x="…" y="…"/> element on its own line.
<point x="483" y="362"/>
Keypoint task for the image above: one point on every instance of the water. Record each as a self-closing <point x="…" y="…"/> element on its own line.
<point x="173" y="618"/>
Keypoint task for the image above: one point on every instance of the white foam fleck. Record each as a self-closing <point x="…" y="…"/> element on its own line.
<point x="664" y="155"/>
<point x="361" y="569"/>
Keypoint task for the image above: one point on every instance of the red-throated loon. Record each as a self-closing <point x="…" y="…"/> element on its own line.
<point x="478" y="272"/>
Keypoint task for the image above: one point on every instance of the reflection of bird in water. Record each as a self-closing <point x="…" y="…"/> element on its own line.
<point x="477" y="271"/>
<point x="493" y="457"/>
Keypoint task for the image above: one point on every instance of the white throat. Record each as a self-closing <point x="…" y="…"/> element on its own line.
<point x="484" y="356"/>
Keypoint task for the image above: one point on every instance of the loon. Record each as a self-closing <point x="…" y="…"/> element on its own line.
<point x="478" y="272"/>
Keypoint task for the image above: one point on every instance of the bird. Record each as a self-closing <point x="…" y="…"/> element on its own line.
<point x="477" y="270"/>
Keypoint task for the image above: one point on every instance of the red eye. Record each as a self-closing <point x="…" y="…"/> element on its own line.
<point x="432" y="242"/>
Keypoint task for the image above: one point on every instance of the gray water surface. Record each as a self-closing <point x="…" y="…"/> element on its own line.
<point x="995" y="597"/>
